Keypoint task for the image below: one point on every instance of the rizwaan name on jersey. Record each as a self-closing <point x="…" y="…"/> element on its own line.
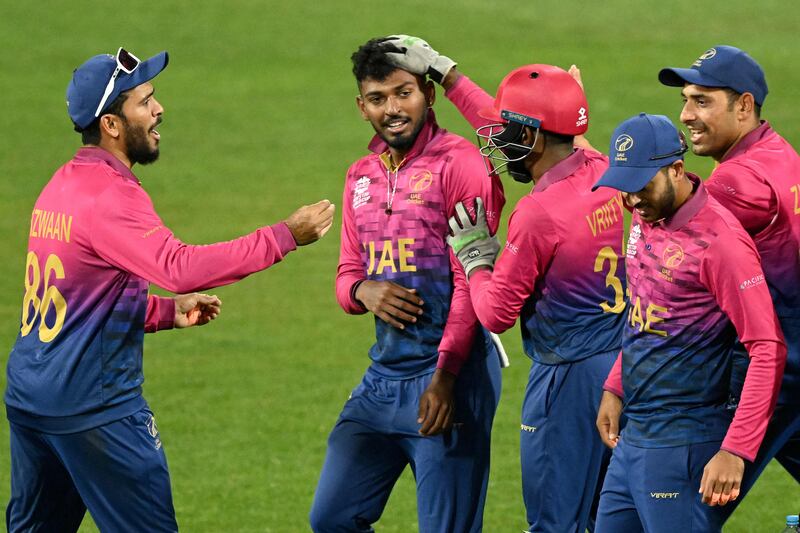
<point x="51" y="225"/>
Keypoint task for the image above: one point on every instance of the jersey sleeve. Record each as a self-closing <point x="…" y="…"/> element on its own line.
<point x="751" y="200"/>
<point x="128" y="234"/>
<point x="469" y="98"/>
<point x="350" y="272"/>
<point x="498" y="296"/>
<point x="466" y="179"/>
<point x="160" y="313"/>
<point x="732" y="272"/>
<point x="613" y="382"/>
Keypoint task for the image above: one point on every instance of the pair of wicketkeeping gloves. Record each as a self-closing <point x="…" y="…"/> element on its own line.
<point x="472" y="242"/>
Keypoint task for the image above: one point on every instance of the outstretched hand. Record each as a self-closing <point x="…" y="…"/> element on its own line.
<point x="195" y="309"/>
<point x="309" y="223"/>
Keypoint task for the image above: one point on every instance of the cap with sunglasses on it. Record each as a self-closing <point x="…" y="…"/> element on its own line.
<point x="640" y="146"/>
<point x="100" y="80"/>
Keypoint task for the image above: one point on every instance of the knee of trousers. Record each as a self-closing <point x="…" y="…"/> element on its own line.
<point x="327" y="517"/>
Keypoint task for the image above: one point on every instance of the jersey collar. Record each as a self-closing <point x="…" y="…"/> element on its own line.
<point x="96" y="154"/>
<point x="749" y="140"/>
<point x="564" y="168"/>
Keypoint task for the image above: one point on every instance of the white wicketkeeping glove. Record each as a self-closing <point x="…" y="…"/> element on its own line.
<point x="416" y="56"/>
<point x="472" y="242"/>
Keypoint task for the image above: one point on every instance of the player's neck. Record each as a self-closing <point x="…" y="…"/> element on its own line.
<point x="549" y="159"/>
<point x="117" y="150"/>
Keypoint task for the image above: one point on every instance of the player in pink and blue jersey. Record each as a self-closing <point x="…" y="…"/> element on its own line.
<point x="695" y="282"/>
<point x="561" y="274"/>
<point x="429" y="396"/>
<point x="82" y="435"/>
<point x="758" y="179"/>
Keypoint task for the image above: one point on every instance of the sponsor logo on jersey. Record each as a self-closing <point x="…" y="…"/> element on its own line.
<point x="622" y="144"/>
<point x="417" y="184"/>
<point x="752" y="282"/>
<point x="361" y="192"/>
<point x="420" y="182"/>
<point x="511" y="247"/>
<point x="708" y="54"/>
<point x="672" y="256"/>
<point x="582" y="118"/>
<point x="633" y="238"/>
<point x="529" y="429"/>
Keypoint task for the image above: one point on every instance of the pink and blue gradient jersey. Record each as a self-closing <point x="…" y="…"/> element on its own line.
<point x="95" y="245"/>
<point x="409" y="247"/>
<point x="759" y="182"/>
<point x="562" y="270"/>
<point x="695" y="282"/>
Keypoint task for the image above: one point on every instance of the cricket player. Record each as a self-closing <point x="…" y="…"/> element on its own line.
<point x="429" y="397"/>
<point x="561" y="273"/>
<point x="758" y="180"/>
<point x="82" y="435"/>
<point x="695" y="282"/>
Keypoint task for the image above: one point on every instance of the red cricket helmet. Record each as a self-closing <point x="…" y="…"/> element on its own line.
<point x="541" y="96"/>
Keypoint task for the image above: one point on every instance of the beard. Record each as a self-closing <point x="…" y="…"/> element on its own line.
<point x="404" y="142"/>
<point x="137" y="144"/>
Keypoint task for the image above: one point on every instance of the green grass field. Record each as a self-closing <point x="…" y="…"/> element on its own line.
<point x="260" y="117"/>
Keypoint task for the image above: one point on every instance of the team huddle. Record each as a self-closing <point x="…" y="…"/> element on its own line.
<point x="665" y="363"/>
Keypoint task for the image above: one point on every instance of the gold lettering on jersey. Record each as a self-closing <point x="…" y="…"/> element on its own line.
<point x="606" y="215"/>
<point x="645" y="323"/>
<point x="394" y="257"/>
<point x="51" y="225"/>
<point x="415" y="198"/>
<point x="529" y="429"/>
<point x="796" y="190"/>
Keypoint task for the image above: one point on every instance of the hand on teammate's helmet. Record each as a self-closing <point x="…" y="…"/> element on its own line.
<point x="472" y="242"/>
<point x="416" y="56"/>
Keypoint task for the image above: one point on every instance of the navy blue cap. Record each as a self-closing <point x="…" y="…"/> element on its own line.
<point x="89" y="82"/>
<point x="640" y="146"/>
<point x="721" y="66"/>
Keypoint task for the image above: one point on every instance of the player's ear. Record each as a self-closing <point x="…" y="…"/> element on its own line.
<point x="677" y="170"/>
<point x="361" y="107"/>
<point x="745" y="105"/>
<point x="111" y="125"/>
<point x="430" y="92"/>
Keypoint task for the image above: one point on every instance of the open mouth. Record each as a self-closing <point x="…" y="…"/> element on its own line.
<point x="396" y="125"/>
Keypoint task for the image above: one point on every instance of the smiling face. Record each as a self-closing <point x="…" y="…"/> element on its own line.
<point x="141" y="114"/>
<point x="712" y="119"/>
<point x="396" y="107"/>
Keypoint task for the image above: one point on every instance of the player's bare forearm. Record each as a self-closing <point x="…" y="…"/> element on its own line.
<point x="392" y="303"/>
<point x="437" y="404"/>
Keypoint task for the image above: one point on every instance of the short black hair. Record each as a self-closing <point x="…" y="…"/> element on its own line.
<point x="370" y="60"/>
<point x="733" y="96"/>
<point x="91" y="133"/>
